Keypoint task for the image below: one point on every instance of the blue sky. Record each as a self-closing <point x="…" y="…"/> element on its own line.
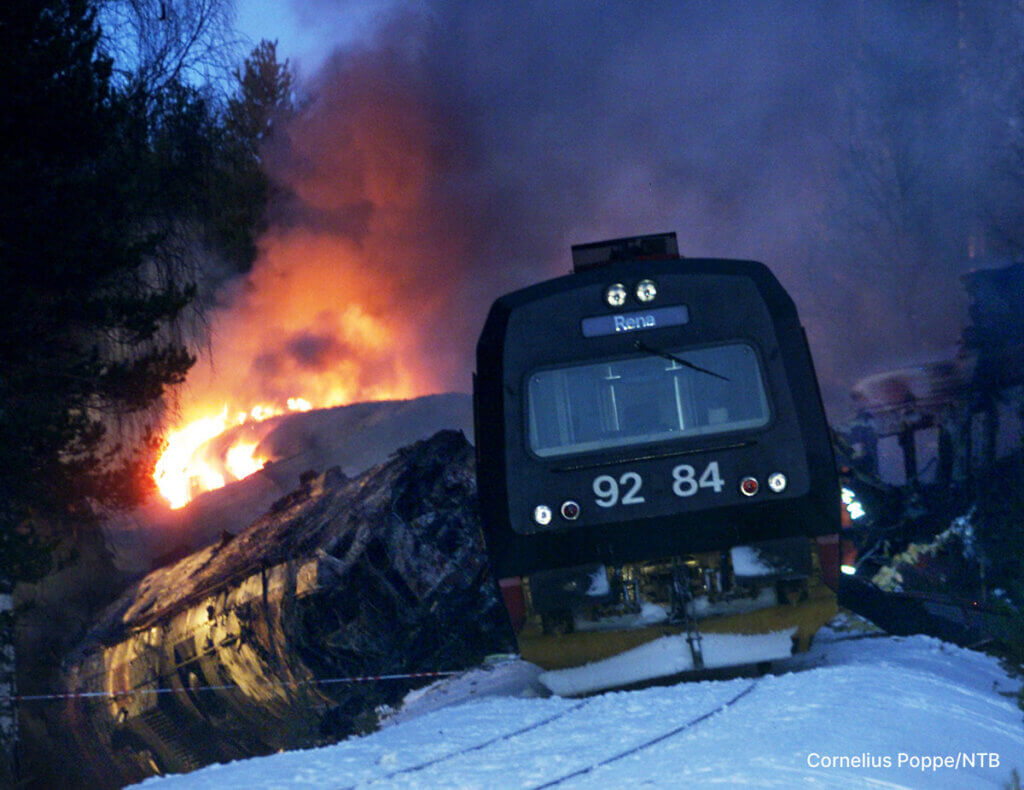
<point x="306" y="31"/>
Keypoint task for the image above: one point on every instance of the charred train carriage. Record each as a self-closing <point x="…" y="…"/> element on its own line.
<point x="653" y="459"/>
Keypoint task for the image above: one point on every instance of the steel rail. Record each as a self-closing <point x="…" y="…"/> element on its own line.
<point x="650" y="742"/>
<point x="467" y="749"/>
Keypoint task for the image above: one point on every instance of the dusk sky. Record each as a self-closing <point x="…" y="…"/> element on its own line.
<point x="308" y="32"/>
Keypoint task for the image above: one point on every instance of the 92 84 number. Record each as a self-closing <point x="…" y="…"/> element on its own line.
<point x="625" y="490"/>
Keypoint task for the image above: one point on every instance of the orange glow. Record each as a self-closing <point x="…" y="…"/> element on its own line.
<point x="241" y="461"/>
<point x="178" y="472"/>
<point x="296" y="327"/>
<point x="354" y="295"/>
<point x="189" y="466"/>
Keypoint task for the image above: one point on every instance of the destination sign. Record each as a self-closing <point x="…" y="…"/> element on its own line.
<point x="655" y="318"/>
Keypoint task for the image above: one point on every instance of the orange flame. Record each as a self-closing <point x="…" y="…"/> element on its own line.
<point x="354" y="294"/>
<point x="240" y="459"/>
<point x="337" y="358"/>
<point x="187" y="466"/>
<point x="179" y="473"/>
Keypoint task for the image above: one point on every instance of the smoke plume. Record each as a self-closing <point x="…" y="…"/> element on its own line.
<point x="461" y="150"/>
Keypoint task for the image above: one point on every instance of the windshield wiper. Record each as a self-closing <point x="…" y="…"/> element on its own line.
<point x="641" y="346"/>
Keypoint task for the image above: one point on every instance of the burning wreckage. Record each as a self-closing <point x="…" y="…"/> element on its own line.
<point x="926" y="554"/>
<point x="224" y="654"/>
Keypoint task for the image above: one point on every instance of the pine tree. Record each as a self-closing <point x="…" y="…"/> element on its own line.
<point x="111" y="197"/>
<point x="58" y="105"/>
<point x="261" y="106"/>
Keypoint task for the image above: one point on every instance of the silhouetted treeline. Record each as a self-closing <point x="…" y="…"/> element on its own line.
<point x="119" y="194"/>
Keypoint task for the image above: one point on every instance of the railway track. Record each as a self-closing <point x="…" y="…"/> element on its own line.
<point x="650" y="741"/>
<point x="644" y="743"/>
<point x="469" y="749"/>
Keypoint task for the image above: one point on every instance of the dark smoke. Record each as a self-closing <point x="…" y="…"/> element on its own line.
<point x="855" y="148"/>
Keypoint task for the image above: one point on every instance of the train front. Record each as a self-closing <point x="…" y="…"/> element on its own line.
<point x="654" y="467"/>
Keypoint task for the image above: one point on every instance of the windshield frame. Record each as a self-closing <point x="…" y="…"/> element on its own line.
<point x="558" y="453"/>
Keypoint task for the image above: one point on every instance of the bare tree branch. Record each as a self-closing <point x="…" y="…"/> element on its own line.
<point x="158" y="42"/>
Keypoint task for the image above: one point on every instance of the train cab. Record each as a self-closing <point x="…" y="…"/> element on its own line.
<point x="652" y="453"/>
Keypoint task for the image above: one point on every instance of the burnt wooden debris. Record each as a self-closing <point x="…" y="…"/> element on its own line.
<point x="222" y="654"/>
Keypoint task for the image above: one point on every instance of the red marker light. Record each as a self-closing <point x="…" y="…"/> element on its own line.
<point x="748" y="486"/>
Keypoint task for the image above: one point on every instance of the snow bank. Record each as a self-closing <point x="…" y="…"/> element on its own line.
<point x="510" y="678"/>
<point x="853" y="712"/>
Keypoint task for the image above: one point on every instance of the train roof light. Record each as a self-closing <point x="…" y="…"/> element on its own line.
<point x="616" y="295"/>
<point x="658" y="246"/>
<point x="646" y="290"/>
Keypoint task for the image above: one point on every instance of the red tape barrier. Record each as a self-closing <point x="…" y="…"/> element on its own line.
<point x="227" y="687"/>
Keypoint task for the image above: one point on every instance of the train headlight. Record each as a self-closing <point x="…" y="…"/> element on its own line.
<point x="542" y="515"/>
<point x="616" y="295"/>
<point x="777" y="482"/>
<point x="646" y="290"/>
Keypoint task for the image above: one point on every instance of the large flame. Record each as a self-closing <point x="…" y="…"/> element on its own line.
<point x="179" y="473"/>
<point x="292" y="332"/>
<point x="188" y="465"/>
<point x="356" y="294"/>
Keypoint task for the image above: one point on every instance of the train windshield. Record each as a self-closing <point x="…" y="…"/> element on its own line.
<point x="659" y="396"/>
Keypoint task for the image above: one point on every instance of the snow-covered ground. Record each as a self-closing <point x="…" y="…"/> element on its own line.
<point x="855" y="711"/>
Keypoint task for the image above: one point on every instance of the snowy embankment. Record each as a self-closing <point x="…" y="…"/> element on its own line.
<point x="853" y="712"/>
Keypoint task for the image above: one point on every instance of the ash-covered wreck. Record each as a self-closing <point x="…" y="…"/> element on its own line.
<point x="964" y="403"/>
<point x="223" y="655"/>
<point x="939" y="551"/>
